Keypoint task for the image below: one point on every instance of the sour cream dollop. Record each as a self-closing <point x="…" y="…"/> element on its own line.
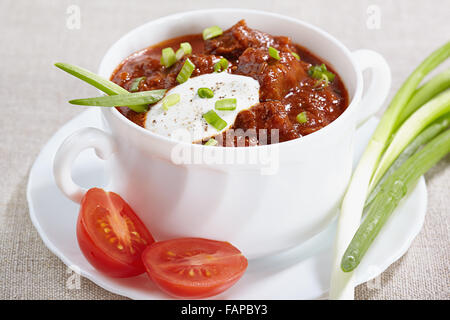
<point x="187" y="115"/>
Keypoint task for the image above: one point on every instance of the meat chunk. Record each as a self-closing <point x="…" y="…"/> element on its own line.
<point x="233" y="42"/>
<point x="271" y="115"/>
<point x="276" y="77"/>
<point x="203" y="64"/>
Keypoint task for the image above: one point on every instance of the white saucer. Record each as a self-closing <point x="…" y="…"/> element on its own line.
<point x="300" y="273"/>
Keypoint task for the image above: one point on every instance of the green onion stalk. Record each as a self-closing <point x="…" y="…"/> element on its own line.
<point x="436" y="85"/>
<point x="429" y="112"/>
<point x="342" y="283"/>
<point x="391" y="192"/>
<point x="424" y="137"/>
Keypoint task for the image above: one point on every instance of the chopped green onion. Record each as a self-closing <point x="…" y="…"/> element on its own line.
<point x="302" y="117"/>
<point x="205" y="93"/>
<point x="185" y="49"/>
<point x="170" y="100"/>
<point x="107" y="86"/>
<point x="296" y="56"/>
<point x="168" y="57"/>
<point x="212" y="142"/>
<point x="391" y="192"/>
<point x="127" y="99"/>
<point x="221" y="65"/>
<point x="135" y="84"/>
<point x="213" y="119"/>
<point x="323" y="81"/>
<point x="226" y="104"/>
<point x="186" y="71"/>
<point x="274" y="53"/>
<point x="318" y="72"/>
<point x="186" y="46"/>
<point x="212" y="32"/>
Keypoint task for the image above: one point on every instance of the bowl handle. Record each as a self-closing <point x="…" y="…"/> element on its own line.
<point x="69" y="150"/>
<point x="380" y="82"/>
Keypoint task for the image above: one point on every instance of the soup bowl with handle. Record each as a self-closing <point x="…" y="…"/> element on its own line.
<point x="262" y="199"/>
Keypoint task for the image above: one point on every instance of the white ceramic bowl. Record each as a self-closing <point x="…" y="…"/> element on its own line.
<point x="292" y="190"/>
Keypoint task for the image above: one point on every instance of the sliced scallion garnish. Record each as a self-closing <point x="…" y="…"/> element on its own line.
<point x="126" y="99"/>
<point x="211" y="142"/>
<point x="170" y="101"/>
<point x="302" y="117"/>
<point x="135" y="84"/>
<point x="186" y="71"/>
<point x="322" y="81"/>
<point x="226" y="104"/>
<point x="185" y="49"/>
<point x="221" y="65"/>
<point x="212" y="118"/>
<point x="205" y="93"/>
<point x="321" y="73"/>
<point x="212" y="32"/>
<point x="107" y="86"/>
<point x="296" y="56"/>
<point x="419" y="120"/>
<point x="168" y="57"/>
<point x="274" y="53"/>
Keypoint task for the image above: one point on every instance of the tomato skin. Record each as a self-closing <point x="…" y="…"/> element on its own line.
<point x="100" y="256"/>
<point x="231" y="262"/>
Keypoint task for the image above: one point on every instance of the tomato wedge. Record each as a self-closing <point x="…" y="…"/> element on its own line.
<point x="110" y="234"/>
<point x="194" y="267"/>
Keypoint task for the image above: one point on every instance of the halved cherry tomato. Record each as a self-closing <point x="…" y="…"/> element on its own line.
<point x="110" y="234"/>
<point x="194" y="267"/>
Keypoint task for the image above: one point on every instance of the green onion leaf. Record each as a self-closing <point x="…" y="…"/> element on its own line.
<point x="434" y="86"/>
<point x="185" y="49"/>
<point x="127" y="99"/>
<point x="170" y="100"/>
<point x="211" y="142"/>
<point x="352" y="205"/>
<point x="321" y="73"/>
<point x="108" y="87"/>
<point x="226" y="104"/>
<point x="221" y="65"/>
<point x="186" y="71"/>
<point x="212" y="32"/>
<point x="296" y="56"/>
<point x="213" y="119"/>
<point x="424" y="137"/>
<point x="168" y="57"/>
<point x="135" y="84"/>
<point x="391" y="192"/>
<point x="274" y="53"/>
<point x="205" y="93"/>
<point x="302" y="117"/>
